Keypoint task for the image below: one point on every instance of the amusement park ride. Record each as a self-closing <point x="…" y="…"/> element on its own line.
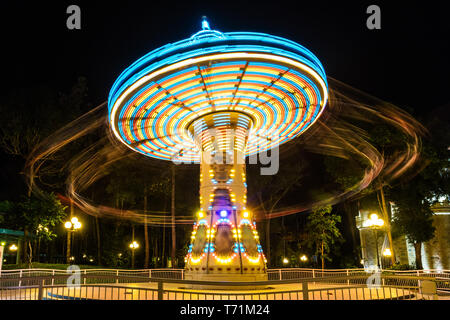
<point x="215" y="99"/>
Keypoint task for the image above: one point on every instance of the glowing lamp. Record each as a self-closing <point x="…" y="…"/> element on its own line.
<point x="285" y="261"/>
<point x="68" y="225"/>
<point x="387" y="252"/>
<point x="303" y="258"/>
<point x="134" y="245"/>
<point x="200" y="214"/>
<point x="373" y="221"/>
<point x="223" y="213"/>
<point x="245" y="214"/>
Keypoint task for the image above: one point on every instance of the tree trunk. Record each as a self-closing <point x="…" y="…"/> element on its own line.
<point x="418" y="250"/>
<point x="30" y="255"/>
<point x="38" y="252"/>
<point x="147" y="243"/>
<point x="323" y="258"/>
<point x="97" y="229"/>
<point x="25" y="245"/>
<point x="173" y="219"/>
<point x="348" y="209"/>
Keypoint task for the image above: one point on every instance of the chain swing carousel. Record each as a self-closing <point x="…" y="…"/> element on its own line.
<point x="215" y="99"/>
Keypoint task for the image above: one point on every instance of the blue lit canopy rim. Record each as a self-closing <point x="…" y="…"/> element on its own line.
<point x="275" y="82"/>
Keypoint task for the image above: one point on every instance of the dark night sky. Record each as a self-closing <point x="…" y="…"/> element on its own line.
<point x="406" y="62"/>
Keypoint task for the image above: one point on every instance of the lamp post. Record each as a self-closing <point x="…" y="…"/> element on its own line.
<point x="387" y="253"/>
<point x="374" y="223"/>
<point x="2" y="246"/>
<point x="133" y="246"/>
<point x="71" y="226"/>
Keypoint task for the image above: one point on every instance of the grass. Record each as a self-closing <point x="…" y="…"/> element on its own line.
<point x="58" y="266"/>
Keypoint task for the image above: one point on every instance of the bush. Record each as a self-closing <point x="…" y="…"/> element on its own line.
<point x="398" y="266"/>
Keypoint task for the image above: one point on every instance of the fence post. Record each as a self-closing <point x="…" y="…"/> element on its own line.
<point x="84" y="280"/>
<point x="348" y="280"/>
<point x="279" y="271"/>
<point x="160" y="290"/>
<point x="20" y="276"/>
<point x="40" y="289"/>
<point x="314" y="274"/>
<point x="150" y="273"/>
<point x="117" y="276"/>
<point x="182" y="274"/>
<point x="305" y="290"/>
<point x="53" y="277"/>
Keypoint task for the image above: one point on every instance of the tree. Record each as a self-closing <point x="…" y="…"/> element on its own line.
<point x="38" y="215"/>
<point x="413" y="218"/>
<point x="322" y="232"/>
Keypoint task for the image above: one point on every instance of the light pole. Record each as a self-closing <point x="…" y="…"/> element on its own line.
<point x="387" y="253"/>
<point x="13" y="248"/>
<point x="71" y="226"/>
<point x="133" y="246"/>
<point x="374" y="223"/>
<point x="2" y="246"/>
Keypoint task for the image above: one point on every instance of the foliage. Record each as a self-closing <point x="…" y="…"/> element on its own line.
<point x="413" y="216"/>
<point x="39" y="215"/>
<point x="399" y="266"/>
<point x="57" y="266"/>
<point x="323" y="232"/>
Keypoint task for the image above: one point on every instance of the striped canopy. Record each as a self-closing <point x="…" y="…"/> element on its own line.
<point x="277" y="83"/>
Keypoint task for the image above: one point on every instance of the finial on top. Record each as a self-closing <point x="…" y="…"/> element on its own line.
<point x="205" y="24"/>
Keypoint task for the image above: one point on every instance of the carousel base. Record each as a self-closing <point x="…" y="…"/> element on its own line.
<point x="250" y="281"/>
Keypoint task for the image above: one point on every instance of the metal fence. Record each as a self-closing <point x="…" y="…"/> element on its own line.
<point x="355" y="288"/>
<point x="328" y="283"/>
<point x="30" y="277"/>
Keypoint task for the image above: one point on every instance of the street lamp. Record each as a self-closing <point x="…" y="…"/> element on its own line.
<point x="285" y="261"/>
<point x="71" y="226"/>
<point x="304" y="258"/>
<point x="133" y="246"/>
<point x="374" y="223"/>
<point x="387" y="252"/>
<point x="13" y="247"/>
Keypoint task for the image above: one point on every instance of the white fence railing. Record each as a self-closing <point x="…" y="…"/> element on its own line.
<point x="357" y="288"/>
<point x="24" y="277"/>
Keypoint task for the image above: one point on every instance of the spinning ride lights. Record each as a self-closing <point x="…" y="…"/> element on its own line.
<point x="214" y="99"/>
